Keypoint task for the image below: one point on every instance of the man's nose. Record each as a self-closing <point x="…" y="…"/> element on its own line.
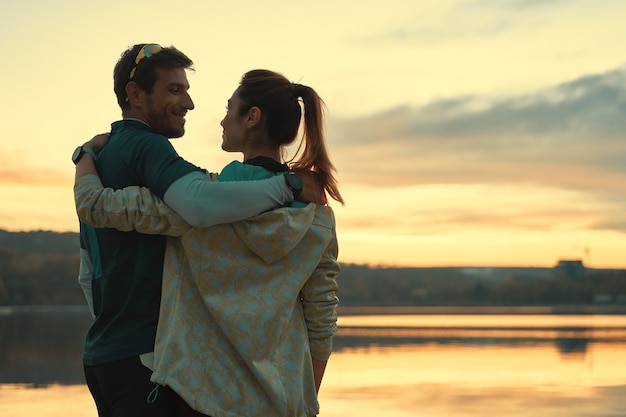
<point x="189" y="102"/>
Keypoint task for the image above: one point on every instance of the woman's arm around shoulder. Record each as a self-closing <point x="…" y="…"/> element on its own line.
<point x="131" y="208"/>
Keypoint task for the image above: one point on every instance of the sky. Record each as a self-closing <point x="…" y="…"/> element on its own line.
<point x="464" y="132"/>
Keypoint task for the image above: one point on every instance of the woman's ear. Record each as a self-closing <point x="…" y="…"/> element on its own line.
<point x="254" y="117"/>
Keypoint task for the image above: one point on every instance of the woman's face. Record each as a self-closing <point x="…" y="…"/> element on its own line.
<point x="233" y="126"/>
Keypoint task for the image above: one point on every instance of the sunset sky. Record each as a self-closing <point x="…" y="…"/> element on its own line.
<point x="465" y="132"/>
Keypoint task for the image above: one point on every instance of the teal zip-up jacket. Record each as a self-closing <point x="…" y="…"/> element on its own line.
<point x="245" y="305"/>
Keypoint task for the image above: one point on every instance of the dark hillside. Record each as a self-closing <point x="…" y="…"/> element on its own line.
<point x="41" y="268"/>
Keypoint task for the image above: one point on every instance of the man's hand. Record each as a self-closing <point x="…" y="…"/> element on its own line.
<point x="312" y="190"/>
<point x="97" y="142"/>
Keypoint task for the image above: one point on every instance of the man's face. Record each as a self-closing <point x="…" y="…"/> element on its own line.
<point x="166" y="107"/>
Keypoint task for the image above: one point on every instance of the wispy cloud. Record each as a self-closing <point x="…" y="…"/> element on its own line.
<point x="458" y="209"/>
<point x="468" y="19"/>
<point x="43" y="177"/>
<point x="571" y="135"/>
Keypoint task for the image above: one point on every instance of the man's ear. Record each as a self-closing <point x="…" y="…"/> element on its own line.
<point x="134" y="94"/>
<point x="254" y="117"/>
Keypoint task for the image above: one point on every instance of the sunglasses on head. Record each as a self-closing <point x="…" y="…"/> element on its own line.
<point x="146" y="52"/>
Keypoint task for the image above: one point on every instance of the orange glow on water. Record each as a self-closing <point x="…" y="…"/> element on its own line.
<point x="430" y="380"/>
<point x="447" y="381"/>
<point x="52" y="401"/>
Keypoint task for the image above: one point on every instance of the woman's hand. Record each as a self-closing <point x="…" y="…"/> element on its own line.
<point x="97" y="142"/>
<point x="86" y="165"/>
<point x="312" y="190"/>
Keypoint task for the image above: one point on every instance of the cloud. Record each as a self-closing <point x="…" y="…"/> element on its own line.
<point x="19" y="171"/>
<point x="461" y="209"/>
<point x="515" y="6"/>
<point x="570" y="135"/>
<point x="590" y="106"/>
<point x="46" y="177"/>
<point x="466" y="19"/>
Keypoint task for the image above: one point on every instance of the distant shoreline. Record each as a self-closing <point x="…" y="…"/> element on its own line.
<point x="586" y="309"/>
<point x="589" y="309"/>
<point x="53" y="308"/>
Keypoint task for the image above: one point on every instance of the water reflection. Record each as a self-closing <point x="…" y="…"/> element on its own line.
<point x="396" y="365"/>
<point x="570" y="334"/>
<point x="44" y="346"/>
<point x="475" y="381"/>
<point x="572" y="347"/>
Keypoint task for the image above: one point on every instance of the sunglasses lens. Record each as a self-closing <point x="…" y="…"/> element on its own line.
<point x="146" y="52"/>
<point x="151" y="49"/>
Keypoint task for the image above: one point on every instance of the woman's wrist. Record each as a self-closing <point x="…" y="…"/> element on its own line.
<point x="85" y="166"/>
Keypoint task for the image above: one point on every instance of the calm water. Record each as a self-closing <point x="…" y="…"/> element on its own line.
<point x="384" y="365"/>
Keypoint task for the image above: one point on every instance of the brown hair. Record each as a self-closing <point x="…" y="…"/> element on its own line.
<point x="279" y="102"/>
<point x="145" y="74"/>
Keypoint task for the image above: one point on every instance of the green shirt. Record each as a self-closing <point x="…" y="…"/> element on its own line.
<point x="128" y="266"/>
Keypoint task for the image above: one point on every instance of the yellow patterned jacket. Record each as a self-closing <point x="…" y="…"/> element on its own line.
<point x="244" y="305"/>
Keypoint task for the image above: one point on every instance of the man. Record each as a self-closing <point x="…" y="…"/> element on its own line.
<point x="121" y="272"/>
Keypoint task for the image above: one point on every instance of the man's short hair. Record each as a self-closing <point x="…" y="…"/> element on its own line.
<point x="144" y="73"/>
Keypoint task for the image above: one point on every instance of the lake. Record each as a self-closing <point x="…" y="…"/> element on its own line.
<point x="399" y="362"/>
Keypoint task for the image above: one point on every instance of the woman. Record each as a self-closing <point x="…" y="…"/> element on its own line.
<point x="248" y="310"/>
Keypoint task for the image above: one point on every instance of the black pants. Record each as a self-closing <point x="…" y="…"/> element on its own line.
<point x="123" y="389"/>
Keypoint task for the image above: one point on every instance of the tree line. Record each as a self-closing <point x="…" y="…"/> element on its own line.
<point x="366" y="286"/>
<point x="41" y="268"/>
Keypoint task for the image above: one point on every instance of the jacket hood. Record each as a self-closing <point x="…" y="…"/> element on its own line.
<point x="273" y="235"/>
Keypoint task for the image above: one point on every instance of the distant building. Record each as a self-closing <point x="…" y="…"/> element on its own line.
<point x="572" y="269"/>
<point x="603" y="298"/>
